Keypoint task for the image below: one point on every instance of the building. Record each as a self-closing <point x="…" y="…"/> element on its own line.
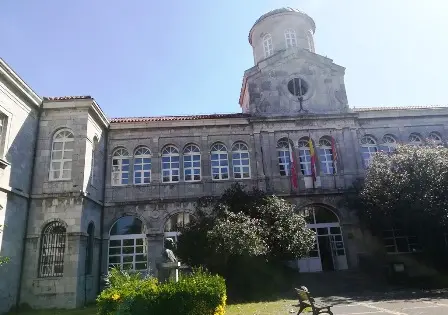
<point x="80" y="191"/>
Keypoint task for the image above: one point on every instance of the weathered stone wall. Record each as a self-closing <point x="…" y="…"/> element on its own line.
<point x="19" y="110"/>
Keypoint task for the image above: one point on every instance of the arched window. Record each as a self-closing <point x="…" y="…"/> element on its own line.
<point x="389" y="144"/>
<point x="415" y="140"/>
<point x="51" y="262"/>
<point x="142" y="166"/>
<point x="284" y="152"/>
<point x="368" y="149"/>
<point x="290" y="38"/>
<point x="435" y="138"/>
<point x="240" y="160"/>
<point x="305" y="156"/>
<point x="309" y="36"/>
<point x="326" y="156"/>
<point x="220" y="162"/>
<point x="267" y="45"/>
<point x="192" y="163"/>
<point x="170" y="164"/>
<point x="61" y="155"/>
<point x="175" y="223"/>
<point x="89" y="248"/>
<point x="127" y="244"/>
<point x="120" y="167"/>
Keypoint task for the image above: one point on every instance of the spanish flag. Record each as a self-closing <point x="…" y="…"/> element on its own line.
<point x="313" y="159"/>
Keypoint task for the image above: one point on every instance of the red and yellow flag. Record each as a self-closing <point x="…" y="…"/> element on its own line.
<point x="313" y="159"/>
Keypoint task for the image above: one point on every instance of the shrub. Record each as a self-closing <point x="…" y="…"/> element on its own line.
<point x="197" y="294"/>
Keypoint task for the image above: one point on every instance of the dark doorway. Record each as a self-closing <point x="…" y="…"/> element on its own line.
<point x="326" y="256"/>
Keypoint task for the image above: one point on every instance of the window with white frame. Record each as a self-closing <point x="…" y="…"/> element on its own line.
<point x="52" y="250"/>
<point x="389" y="144"/>
<point x="310" y="39"/>
<point x="175" y="223"/>
<point x="290" y="38"/>
<point x="128" y="249"/>
<point x="326" y="156"/>
<point x="267" y="45"/>
<point x="305" y="156"/>
<point x="170" y="164"/>
<point x="220" y="162"/>
<point x="435" y="138"/>
<point x="368" y="149"/>
<point x="3" y="120"/>
<point x="415" y="140"/>
<point x="192" y="163"/>
<point x="120" y="167"/>
<point x="61" y="155"/>
<point x="240" y="160"/>
<point x="284" y="148"/>
<point x="92" y="161"/>
<point x="396" y="241"/>
<point x="142" y="166"/>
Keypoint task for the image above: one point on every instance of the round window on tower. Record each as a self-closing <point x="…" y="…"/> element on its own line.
<point x="298" y="87"/>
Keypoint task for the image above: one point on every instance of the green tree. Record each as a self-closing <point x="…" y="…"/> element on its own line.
<point x="244" y="232"/>
<point x="408" y="189"/>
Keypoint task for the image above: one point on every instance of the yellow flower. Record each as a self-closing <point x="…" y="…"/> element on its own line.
<point x="115" y="296"/>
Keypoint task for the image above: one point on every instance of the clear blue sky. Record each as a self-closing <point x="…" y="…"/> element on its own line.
<point x="148" y="57"/>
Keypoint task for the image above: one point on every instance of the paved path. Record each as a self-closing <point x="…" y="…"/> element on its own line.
<point x="390" y="306"/>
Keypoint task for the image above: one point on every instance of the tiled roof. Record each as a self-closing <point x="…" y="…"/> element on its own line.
<point x="368" y="109"/>
<point x="65" y="98"/>
<point x="177" y="118"/>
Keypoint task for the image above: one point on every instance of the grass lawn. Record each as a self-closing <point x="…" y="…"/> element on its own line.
<point x="261" y="308"/>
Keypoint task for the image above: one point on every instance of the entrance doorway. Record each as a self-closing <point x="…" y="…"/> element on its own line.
<point x="328" y="253"/>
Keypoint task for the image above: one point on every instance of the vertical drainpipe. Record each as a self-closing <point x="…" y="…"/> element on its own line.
<point x="106" y="145"/>
<point x="28" y="206"/>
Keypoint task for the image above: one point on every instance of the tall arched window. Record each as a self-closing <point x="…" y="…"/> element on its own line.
<point x="326" y="156"/>
<point x="368" y="149"/>
<point x="220" y="162"/>
<point x="284" y="152"/>
<point x="170" y="164"/>
<point x="435" y="138"/>
<point x="120" y="167"/>
<point x="89" y="248"/>
<point x="290" y="38"/>
<point x="127" y="244"/>
<point x="61" y="155"/>
<point x="142" y="166"/>
<point x="310" y="39"/>
<point x="192" y="163"/>
<point x="389" y="144"/>
<point x="51" y="262"/>
<point x="267" y="45"/>
<point x="305" y="156"/>
<point x="240" y="160"/>
<point x="175" y="223"/>
<point x="415" y="140"/>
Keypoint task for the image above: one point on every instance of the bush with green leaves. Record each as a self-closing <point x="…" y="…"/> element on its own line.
<point x="408" y="189"/>
<point x="244" y="228"/>
<point x="197" y="294"/>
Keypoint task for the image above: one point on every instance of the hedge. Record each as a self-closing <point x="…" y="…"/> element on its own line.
<point x="197" y="294"/>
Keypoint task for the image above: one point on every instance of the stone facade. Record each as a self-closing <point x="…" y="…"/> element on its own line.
<point x="106" y="180"/>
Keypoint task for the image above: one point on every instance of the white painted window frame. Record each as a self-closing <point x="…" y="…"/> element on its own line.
<point x="304" y="157"/>
<point x="268" y="47"/>
<point x="371" y="146"/>
<point x="326" y="157"/>
<point x="141" y="156"/>
<point x="241" y="155"/>
<point x="172" y="153"/>
<point x="65" y="138"/>
<point x="119" y="172"/>
<point x="192" y="163"/>
<point x="217" y="150"/>
<point x="284" y="157"/>
<point x="290" y="38"/>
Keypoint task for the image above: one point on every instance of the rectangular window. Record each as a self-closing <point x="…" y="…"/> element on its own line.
<point x="305" y="161"/>
<point x="142" y="170"/>
<point x="192" y="168"/>
<point x="396" y="241"/>
<point x="326" y="160"/>
<point x="284" y="162"/>
<point x="120" y="171"/>
<point x="220" y="166"/>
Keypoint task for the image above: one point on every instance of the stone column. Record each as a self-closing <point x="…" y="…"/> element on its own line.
<point x="155" y="247"/>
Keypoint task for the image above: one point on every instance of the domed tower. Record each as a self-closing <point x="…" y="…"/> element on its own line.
<point x="281" y="29"/>
<point x="289" y="78"/>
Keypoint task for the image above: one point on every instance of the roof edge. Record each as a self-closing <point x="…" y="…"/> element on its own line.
<point x="14" y="79"/>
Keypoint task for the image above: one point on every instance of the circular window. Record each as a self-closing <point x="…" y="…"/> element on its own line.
<point x="297" y="87"/>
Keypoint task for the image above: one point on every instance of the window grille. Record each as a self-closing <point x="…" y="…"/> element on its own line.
<point x="51" y="263"/>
